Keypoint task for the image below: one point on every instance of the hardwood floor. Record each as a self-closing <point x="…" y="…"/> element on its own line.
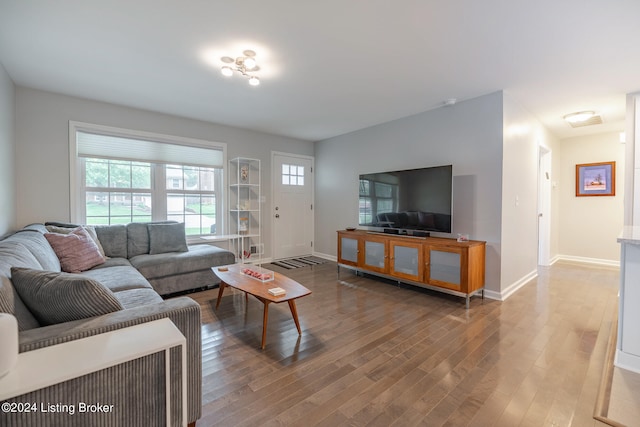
<point x="373" y="353"/>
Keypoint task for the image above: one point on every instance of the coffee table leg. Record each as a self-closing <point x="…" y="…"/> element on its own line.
<point x="220" y="291"/>
<point x="294" y="313"/>
<point x="265" y="316"/>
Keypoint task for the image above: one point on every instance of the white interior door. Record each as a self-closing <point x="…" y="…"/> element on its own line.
<point x="292" y="209"/>
<point x="544" y="206"/>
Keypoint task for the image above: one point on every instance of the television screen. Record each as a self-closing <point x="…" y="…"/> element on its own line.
<point x="415" y="199"/>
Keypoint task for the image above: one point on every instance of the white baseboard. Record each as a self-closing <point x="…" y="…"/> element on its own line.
<point x="551" y="262"/>
<point x="511" y="289"/>
<point x="627" y="361"/>
<point x="326" y="256"/>
<point x="585" y="260"/>
<point x="492" y="295"/>
<point x="267" y="260"/>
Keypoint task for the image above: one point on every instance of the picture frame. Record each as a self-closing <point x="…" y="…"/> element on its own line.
<point x="596" y="179"/>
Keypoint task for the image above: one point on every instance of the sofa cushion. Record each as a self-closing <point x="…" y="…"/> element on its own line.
<point x="36" y="227"/>
<point x="196" y="280"/>
<point x="165" y="238"/>
<point x="198" y="257"/>
<point x="61" y="224"/>
<point x="35" y="242"/>
<point x="14" y="254"/>
<point x="138" y="237"/>
<point x="113" y="262"/>
<point x="118" y="278"/>
<point x="13" y="250"/>
<point x="76" y="251"/>
<point x="113" y="239"/>
<point x="137" y="297"/>
<point x="62" y="297"/>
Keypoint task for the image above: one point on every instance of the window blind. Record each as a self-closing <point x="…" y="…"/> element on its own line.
<point x="141" y="150"/>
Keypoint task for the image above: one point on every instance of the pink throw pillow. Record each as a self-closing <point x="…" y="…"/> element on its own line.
<point x="76" y="251"/>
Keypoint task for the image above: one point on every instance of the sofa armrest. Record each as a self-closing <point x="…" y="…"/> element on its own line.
<point x="136" y="388"/>
<point x="182" y="311"/>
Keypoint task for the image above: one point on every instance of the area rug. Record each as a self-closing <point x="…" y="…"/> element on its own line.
<point x="292" y="263"/>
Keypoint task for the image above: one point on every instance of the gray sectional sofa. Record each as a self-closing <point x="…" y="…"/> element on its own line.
<point x="133" y="279"/>
<point x="167" y="271"/>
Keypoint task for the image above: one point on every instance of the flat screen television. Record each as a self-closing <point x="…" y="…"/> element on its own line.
<point x="407" y="200"/>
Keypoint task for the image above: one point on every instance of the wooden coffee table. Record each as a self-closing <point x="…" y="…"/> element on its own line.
<point x="234" y="277"/>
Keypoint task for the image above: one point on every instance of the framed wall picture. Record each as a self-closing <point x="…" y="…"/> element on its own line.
<point x="596" y="179"/>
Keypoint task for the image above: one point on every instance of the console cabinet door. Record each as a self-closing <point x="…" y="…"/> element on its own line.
<point x="348" y="249"/>
<point x="406" y="260"/>
<point x="446" y="267"/>
<point x="375" y="256"/>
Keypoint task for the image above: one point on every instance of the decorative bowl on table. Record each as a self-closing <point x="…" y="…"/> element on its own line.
<point x="258" y="273"/>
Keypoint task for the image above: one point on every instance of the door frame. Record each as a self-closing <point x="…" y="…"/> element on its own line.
<point x="544" y="205"/>
<point x="276" y="175"/>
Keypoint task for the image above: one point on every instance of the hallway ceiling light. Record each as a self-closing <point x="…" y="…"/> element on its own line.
<point x="245" y="65"/>
<point x="583" y="118"/>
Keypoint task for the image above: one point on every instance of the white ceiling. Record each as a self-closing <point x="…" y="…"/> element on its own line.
<point x="333" y="66"/>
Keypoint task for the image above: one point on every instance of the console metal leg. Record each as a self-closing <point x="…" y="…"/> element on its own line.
<point x="467" y="303"/>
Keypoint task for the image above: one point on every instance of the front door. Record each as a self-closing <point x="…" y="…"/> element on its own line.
<point x="292" y="209"/>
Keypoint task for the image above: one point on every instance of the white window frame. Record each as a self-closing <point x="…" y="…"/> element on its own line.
<point x="76" y="197"/>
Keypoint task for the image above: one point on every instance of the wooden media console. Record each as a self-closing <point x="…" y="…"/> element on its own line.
<point x="436" y="263"/>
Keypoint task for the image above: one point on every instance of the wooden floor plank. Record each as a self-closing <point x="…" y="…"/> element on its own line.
<point x="375" y="353"/>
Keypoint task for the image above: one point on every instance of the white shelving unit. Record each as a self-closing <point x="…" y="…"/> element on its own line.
<point x="245" y="208"/>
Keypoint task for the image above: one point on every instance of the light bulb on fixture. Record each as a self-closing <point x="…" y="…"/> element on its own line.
<point x="227" y="71"/>
<point x="254" y="81"/>
<point x="249" y="63"/>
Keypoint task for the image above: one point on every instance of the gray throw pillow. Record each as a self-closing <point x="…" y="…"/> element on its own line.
<point x="167" y="238"/>
<point x="55" y="297"/>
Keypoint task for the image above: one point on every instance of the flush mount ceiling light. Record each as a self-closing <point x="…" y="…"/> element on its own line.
<point x="245" y="65"/>
<point x="583" y="118"/>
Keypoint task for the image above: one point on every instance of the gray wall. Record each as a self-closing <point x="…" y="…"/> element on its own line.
<point x="42" y="148"/>
<point x="7" y="153"/>
<point x="467" y="135"/>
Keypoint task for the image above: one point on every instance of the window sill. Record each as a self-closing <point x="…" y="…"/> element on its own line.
<point x="195" y="240"/>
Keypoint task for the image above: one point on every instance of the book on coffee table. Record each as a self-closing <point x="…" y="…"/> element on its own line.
<point x="277" y="291"/>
